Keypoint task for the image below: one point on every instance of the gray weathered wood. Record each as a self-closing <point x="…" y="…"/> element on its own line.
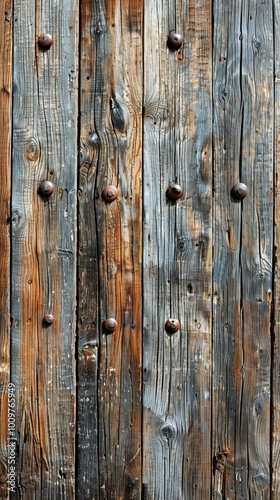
<point x="275" y="466"/>
<point x="110" y="246"/>
<point x="44" y="246"/>
<point x="5" y="176"/>
<point x="208" y="426"/>
<point x="243" y="248"/>
<point x="177" y="252"/>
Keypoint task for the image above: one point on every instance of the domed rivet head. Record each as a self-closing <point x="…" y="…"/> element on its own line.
<point x="174" y="40"/>
<point x="109" y="325"/>
<point x="48" y="320"/>
<point x="45" y="40"/>
<point x="239" y="191"/>
<point x="174" y="192"/>
<point x="46" y="188"/>
<point x="172" y="326"/>
<point x="109" y="193"/>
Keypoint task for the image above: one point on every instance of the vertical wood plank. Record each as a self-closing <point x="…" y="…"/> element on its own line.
<point x="177" y="259"/>
<point x="5" y="175"/>
<point x="276" y="352"/>
<point x="110" y="246"/>
<point x="44" y="246"/>
<point x="243" y="248"/>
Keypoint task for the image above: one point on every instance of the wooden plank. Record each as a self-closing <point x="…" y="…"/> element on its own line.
<point x="5" y="174"/>
<point x="275" y="493"/>
<point x="88" y="280"/>
<point x="177" y="247"/>
<point x="110" y="243"/>
<point x="243" y="248"/>
<point x="44" y="246"/>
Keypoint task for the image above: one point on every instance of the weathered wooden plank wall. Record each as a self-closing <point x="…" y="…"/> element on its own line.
<point x="136" y="411"/>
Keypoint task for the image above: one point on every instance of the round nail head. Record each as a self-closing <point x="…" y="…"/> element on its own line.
<point x="239" y="191"/>
<point x="174" y="192"/>
<point x="109" y="193"/>
<point x="46" y="188"/>
<point x="175" y="40"/>
<point x="45" y="40"/>
<point x="172" y="326"/>
<point x="48" y="320"/>
<point x="109" y="325"/>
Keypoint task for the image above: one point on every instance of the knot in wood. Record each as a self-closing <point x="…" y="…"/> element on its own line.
<point x="167" y="431"/>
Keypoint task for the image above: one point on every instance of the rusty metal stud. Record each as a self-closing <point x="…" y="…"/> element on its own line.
<point x="172" y="325"/>
<point x="45" y="40"/>
<point x="174" y="192"/>
<point x="174" y="40"/>
<point x="48" y="319"/>
<point x="239" y="191"/>
<point x="46" y="188"/>
<point x="109" y="325"/>
<point x="110" y="193"/>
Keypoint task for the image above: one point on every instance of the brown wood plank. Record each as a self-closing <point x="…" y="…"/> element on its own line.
<point x="243" y="248"/>
<point x="177" y="254"/>
<point x="275" y="494"/>
<point x="110" y="245"/>
<point x="5" y="175"/>
<point x="44" y="246"/>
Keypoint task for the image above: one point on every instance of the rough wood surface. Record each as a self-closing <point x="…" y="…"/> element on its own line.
<point x="110" y="245"/>
<point x="177" y="250"/>
<point x="276" y="337"/>
<point x="243" y="248"/>
<point x="206" y="423"/>
<point x="44" y="247"/>
<point x="5" y="175"/>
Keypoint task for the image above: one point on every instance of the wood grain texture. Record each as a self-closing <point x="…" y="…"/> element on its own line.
<point x="243" y="248"/>
<point x="110" y="247"/>
<point x="177" y="258"/>
<point x="275" y="466"/>
<point x="207" y="423"/>
<point x="5" y="175"/>
<point x="44" y="247"/>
